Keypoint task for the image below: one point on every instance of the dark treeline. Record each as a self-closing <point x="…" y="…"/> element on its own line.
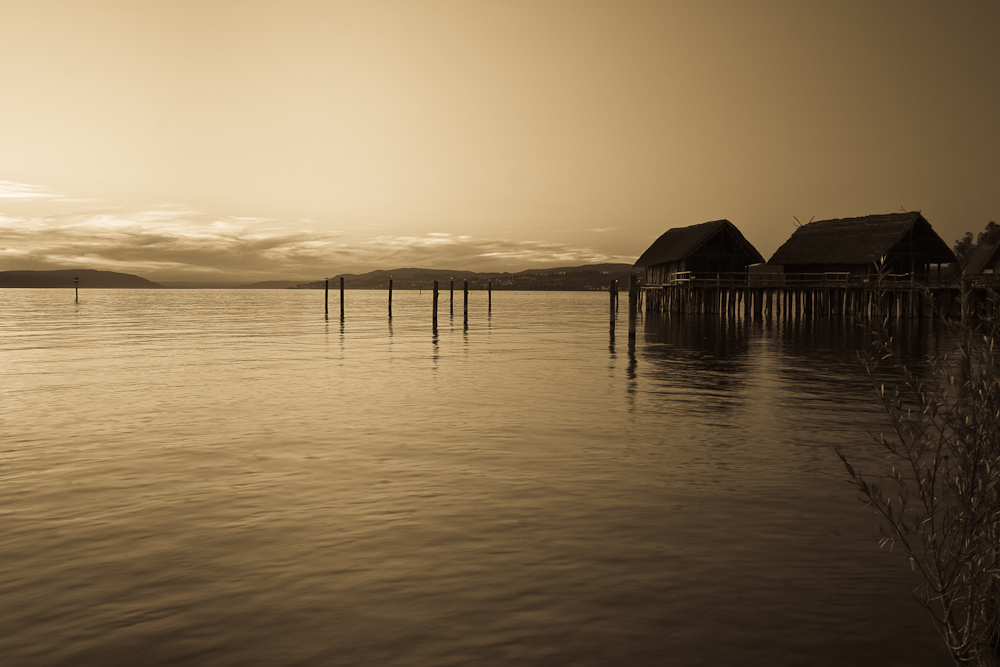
<point x="963" y="247"/>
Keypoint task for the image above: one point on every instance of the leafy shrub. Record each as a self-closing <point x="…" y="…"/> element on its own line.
<point x="941" y="500"/>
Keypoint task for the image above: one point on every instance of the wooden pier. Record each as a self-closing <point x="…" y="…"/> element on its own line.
<point x="888" y="264"/>
<point x="793" y="296"/>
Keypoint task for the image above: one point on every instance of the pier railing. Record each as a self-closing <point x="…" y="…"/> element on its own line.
<point x="825" y="279"/>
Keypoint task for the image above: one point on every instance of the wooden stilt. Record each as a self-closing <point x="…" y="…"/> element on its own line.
<point x="434" y="307"/>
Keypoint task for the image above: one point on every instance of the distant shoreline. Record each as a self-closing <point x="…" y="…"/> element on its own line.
<point x="72" y="278"/>
<point x="592" y="277"/>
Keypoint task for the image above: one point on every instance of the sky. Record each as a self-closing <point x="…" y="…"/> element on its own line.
<point x="243" y="140"/>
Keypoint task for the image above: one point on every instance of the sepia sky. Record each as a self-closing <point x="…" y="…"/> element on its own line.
<point x="211" y="140"/>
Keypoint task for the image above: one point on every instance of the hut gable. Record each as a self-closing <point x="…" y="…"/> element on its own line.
<point x="855" y="244"/>
<point x="715" y="247"/>
<point x="983" y="256"/>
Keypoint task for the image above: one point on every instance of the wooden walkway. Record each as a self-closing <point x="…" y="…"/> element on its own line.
<point x="790" y="296"/>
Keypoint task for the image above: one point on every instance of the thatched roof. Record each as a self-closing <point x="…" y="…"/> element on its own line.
<point x="981" y="257"/>
<point x="861" y="240"/>
<point x="677" y="243"/>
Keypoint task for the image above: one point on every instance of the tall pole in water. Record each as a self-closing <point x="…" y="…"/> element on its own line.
<point x="633" y="306"/>
<point x="434" y="317"/>
<point x="342" y="298"/>
<point x="465" y="291"/>
<point x="76" y="286"/>
<point x="326" y="297"/>
<point x="612" y="293"/>
<point x="390" y="298"/>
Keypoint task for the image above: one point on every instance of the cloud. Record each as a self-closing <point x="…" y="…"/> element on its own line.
<point x="172" y="241"/>
<point x="166" y="242"/>
<point x="489" y="254"/>
<point x="12" y="190"/>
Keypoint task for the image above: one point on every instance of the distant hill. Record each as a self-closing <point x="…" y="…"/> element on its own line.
<point x="229" y="284"/>
<point x="201" y="284"/>
<point x="568" y="278"/>
<point x="271" y="284"/>
<point x="64" y="278"/>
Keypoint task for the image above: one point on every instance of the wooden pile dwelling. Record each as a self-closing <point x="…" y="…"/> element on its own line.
<point x="982" y="266"/>
<point x="686" y="261"/>
<point x="827" y="267"/>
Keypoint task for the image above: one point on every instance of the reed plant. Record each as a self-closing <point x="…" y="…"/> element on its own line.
<point x="940" y="499"/>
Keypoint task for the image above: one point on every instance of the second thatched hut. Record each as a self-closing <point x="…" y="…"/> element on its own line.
<point x="854" y="246"/>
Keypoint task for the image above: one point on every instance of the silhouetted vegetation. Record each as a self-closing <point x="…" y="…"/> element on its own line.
<point x="964" y="245"/>
<point x="941" y="500"/>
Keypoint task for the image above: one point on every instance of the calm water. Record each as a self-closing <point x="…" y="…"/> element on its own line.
<point x="225" y="478"/>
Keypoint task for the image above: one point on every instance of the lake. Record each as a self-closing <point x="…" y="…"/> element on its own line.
<point x="225" y="477"/>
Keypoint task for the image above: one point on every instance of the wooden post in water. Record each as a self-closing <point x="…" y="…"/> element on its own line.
<point x="342" y="298"/>
<point x="451" y="298"/>
<point x="390" y="298"/>
<point x="76" y="287"/>
<point x="465" y="300"/>
<point x="434" y="311"/>
<point x="326" y="297"/>
<point x="489" y="293"/>
<point x="611" y="293"/>
<point x="633" y="306"/>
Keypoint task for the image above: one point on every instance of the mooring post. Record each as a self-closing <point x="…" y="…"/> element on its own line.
<point x="489" y="293"/>
<point x="390" y="298"/>
<point x="633" y="306"/>
<point x="326" y="298"/>
<point x="434" y="308"/>
<point x="342" y="298"/>
<point x="76" y="287"/>
<point x="611" y="293"/>
<point x="465" y="298"/>
<point x="451" y="298"/>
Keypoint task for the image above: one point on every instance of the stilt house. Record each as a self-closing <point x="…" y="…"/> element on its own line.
<point x="984" y="258"/>
<point x="854" y="246"/>
<point x="699" y="252"/>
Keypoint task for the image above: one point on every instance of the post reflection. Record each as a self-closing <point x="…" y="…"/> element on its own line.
<point x="810" y="344"/>
<point x="696" y="356"/>
<point x="632" y="378"/>
<point x="434" y="347"/>
<point x="714" y="358"/>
